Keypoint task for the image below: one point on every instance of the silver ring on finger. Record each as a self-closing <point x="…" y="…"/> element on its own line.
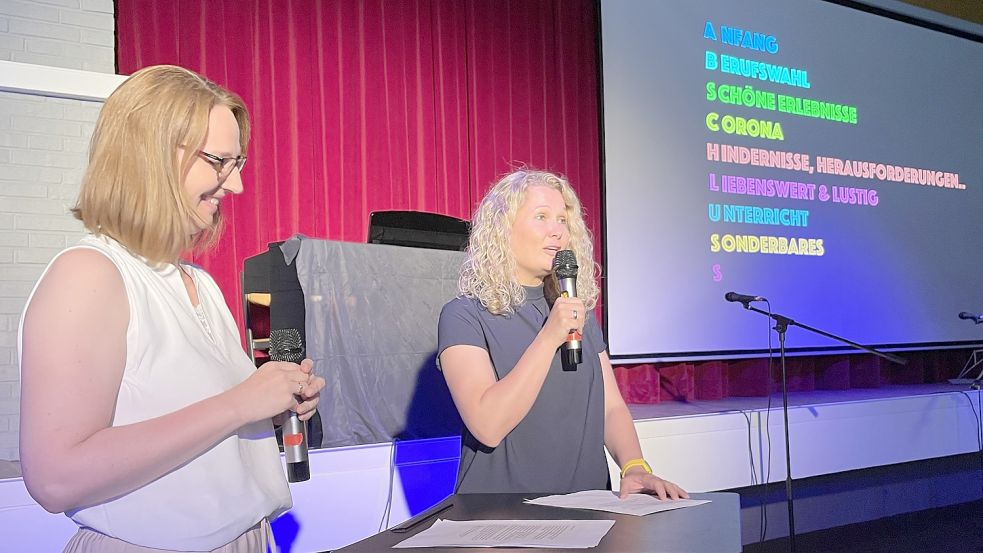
<point x="300" y="388"/>
<point x="575" y="314"/>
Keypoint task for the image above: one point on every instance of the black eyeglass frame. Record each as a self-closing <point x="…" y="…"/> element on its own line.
<point x="221" y="164"/>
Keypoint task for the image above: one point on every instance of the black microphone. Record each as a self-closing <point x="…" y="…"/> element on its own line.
<point x="972" y="317"/>
<point x="743" y="298"/>
<point x="286" y="344"/>
<point x="565" y="270"/>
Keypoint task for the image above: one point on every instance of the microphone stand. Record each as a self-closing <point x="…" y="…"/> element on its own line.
<point x="976" y="383"/>
<point x="781" y="325"/>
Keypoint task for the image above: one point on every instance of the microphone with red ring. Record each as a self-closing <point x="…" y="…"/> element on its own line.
<point x="287" y="345"/>
<point x="565" y="271"/>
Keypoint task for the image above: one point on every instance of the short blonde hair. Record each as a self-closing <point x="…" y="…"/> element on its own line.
<point x="489" y="270"/>
<point x="133" y="188"/>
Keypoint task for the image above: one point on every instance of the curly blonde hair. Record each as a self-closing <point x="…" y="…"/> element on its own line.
<point x="489" y="270"/>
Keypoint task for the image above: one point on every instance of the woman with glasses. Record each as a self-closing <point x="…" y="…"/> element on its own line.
<point x="530" y="425"/>
<point x="141" y="416"/>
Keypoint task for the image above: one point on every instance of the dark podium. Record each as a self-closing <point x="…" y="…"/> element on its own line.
<point x="713" y="527"/>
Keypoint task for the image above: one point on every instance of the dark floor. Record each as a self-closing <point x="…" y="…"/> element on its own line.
<point x="957" y="528"/>
<point x="928" y="505"/>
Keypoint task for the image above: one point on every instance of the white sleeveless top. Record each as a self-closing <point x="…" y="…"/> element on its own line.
<point x="176" y="357"/>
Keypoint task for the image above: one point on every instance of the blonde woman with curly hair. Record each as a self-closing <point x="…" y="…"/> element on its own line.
<point x="530" y="425"/>
<point x="141" y="416"/>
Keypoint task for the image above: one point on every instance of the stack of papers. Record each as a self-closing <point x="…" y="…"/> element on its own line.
<point x="637" y="504"/>
<point x="560" y="534"/>
<point x="565" y="534"/>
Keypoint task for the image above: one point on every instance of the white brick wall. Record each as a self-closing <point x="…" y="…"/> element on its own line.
<point x="42" y="157"/>
<point x="74" y="34"/>
<point x="43" y="150"/>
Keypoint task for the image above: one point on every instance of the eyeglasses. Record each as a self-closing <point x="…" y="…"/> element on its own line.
<point x="223" y="165"/>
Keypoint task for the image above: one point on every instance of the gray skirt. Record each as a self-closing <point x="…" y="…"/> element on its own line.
<point x="258" y="539"/>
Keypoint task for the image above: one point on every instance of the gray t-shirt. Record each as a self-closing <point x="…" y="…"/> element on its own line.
<point x="559" y="446"/>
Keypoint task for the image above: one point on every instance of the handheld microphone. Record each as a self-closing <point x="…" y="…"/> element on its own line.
<point x="565" y="270"/>
<point x="972" y="317"/>
<point x="743" y="298"/>
<point x="287" y="345"/>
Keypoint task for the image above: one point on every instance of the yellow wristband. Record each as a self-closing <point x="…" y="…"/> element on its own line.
<point x="636" y="463"/>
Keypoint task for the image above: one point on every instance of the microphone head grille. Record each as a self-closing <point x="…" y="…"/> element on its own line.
<point x="286" y="345"/>
<point x="565" y="264"/>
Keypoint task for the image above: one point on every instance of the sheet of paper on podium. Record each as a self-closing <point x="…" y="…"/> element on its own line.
<point x="638" y="504"/>
<point x="561" y="534"/>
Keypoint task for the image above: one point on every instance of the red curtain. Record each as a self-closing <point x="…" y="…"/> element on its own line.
<point x="374" y="105"/>
<point x="369" y="105"/>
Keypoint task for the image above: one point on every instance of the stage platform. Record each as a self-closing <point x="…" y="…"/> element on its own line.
<point x="356" y="491"/>
<point x="665" y="409"/>
<point x="724" y="444"/>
